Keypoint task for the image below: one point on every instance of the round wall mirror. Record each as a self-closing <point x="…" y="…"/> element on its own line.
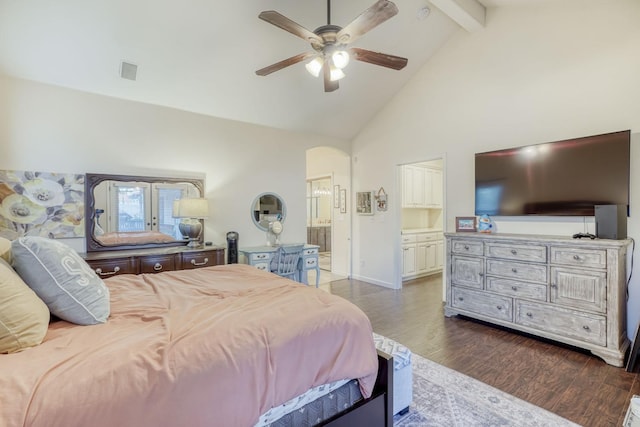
<point x="267" y="208"/>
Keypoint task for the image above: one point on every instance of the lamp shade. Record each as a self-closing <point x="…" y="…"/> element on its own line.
<point x="191" y="208"/>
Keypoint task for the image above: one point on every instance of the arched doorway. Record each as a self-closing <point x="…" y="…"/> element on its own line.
<point x="328" y="213"/>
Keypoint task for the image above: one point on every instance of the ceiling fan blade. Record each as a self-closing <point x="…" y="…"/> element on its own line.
<point x="367" y="20"/>
<point x="377" y="58"/>
<point x="329" y="86"/>
<point x="284" y="63"/>
<point x="281" y="21"/>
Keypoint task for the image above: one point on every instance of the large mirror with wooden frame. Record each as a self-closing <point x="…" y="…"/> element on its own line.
<point x="131" y="212"/>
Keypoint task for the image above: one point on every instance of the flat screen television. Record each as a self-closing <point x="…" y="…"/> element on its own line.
<point x="565" y="178"/>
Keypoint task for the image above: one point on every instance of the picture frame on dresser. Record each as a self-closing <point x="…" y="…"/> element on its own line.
<point x="466" y="224"/>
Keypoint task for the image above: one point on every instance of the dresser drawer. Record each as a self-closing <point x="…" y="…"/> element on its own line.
<point x="594" y="258"/>
<point x="516" y="289"/>
<point x="428" y="237"/>
<point x="309" y="263"/>
<point x="409" y="238"/>
<point x="309" y="251"/>
<point x="157" y="263"/>
<point x="532" y="253"/>
<point x="199" y="259"/>
<point x="260" y="256"/>
<point x="517" y="270"/>
<point x="262" y="265"/>
<point x="568" y="323"/>
<point x="479" y="302"/>
<point x="467" y="247"/>
<point x="111" y="267"/>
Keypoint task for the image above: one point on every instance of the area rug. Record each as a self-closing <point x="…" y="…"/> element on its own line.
<point x="443" y="397"/>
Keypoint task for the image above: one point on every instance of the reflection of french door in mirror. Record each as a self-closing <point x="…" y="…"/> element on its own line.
<point x="319" y="204"/>
<point x="137" y="206"/>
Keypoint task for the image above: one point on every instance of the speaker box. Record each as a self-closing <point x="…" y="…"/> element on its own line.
<point x="611" y="221"/>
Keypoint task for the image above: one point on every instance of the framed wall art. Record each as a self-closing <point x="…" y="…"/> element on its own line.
<point x="364" y="202"/>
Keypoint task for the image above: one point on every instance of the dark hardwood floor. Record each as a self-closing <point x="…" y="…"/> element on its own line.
<point x="569" y="382"/>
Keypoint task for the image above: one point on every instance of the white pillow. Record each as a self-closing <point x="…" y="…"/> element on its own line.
<point x="62" y="279"/>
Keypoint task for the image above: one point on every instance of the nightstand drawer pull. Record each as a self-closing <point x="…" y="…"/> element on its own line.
<point x="466" y="247"/>
<point x="514" y="288"/>
<point x="529" y="314"/>
<point x="499" y="307"/>
<point x="157" y="267"/>
<point x="204" y="262"/>
<point x="514" y="252"/>
<point x="514" y="270"/>
<point x="576" y="257"/>
<point x="99" y="271"/>
<point x="261" y="256"/>
<point x="586" y="328"/>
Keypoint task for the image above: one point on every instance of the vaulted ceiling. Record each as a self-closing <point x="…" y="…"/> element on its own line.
<point x="201" y="56"/>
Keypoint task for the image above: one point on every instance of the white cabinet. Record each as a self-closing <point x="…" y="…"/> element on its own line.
<point x="421" y="187"/>
<point x="413" y="190"/>
<point x="567" y="290"/>
<point x="422" y="254"/>
<point x="433" y="188"/>
<point x="409" y="255"/>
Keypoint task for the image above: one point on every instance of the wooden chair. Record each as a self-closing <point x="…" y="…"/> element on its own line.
<point x="285" y="261"/>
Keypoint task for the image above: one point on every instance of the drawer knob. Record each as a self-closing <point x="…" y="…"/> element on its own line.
<point x="576" y="257"/>
<point x="514" y="252"/>
<point x="499" y="307"/>
<point x="529" y="314"/>
<point x="99" y="271"/>
<point x="514" y="270"/>
<point x="204" y="262"/>
<point x="466" y="247"/>
<point x="554" y="286"/>
<point x="481" y="274"/>
<point x="157" y="267"/>
<point x="460" y="299"/>
<point x="515" y="288"/>
<point x="586" y="328"/>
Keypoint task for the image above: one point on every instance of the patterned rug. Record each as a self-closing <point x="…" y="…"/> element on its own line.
<point x="445" y="398"/>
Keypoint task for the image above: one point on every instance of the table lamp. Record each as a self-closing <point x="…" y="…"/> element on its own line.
<point x="191" y="211"/>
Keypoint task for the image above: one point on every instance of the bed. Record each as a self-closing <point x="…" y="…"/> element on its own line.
<point x="216" y="346"/>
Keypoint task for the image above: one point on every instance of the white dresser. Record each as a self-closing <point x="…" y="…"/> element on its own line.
<point x="564" y="289"/>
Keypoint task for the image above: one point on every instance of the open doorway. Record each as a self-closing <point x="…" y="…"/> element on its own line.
<point x="422" y="220"/>
<point x="319" y="200"/>
<point x="328" y="221"/>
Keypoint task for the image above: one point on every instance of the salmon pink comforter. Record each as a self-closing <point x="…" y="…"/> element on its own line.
<point x="215" y="346"/>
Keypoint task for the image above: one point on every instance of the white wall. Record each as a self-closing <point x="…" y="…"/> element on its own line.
<point x="536" y="73"/>
<point x="325" y="161"/>
<point x="47" y="128"/>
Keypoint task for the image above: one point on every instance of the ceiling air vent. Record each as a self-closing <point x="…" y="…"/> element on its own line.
<point x="128" y="71"/>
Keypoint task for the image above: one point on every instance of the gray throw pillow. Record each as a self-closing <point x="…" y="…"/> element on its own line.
<point x="62" y="279"/>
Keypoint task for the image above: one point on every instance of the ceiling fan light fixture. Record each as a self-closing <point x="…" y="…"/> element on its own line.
<point x="340" y="58"/>
<point x="315" y="66"/>
<point x="336" y="74"/>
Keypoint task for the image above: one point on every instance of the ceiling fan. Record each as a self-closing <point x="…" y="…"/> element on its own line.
<point x="329" y="42"/>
